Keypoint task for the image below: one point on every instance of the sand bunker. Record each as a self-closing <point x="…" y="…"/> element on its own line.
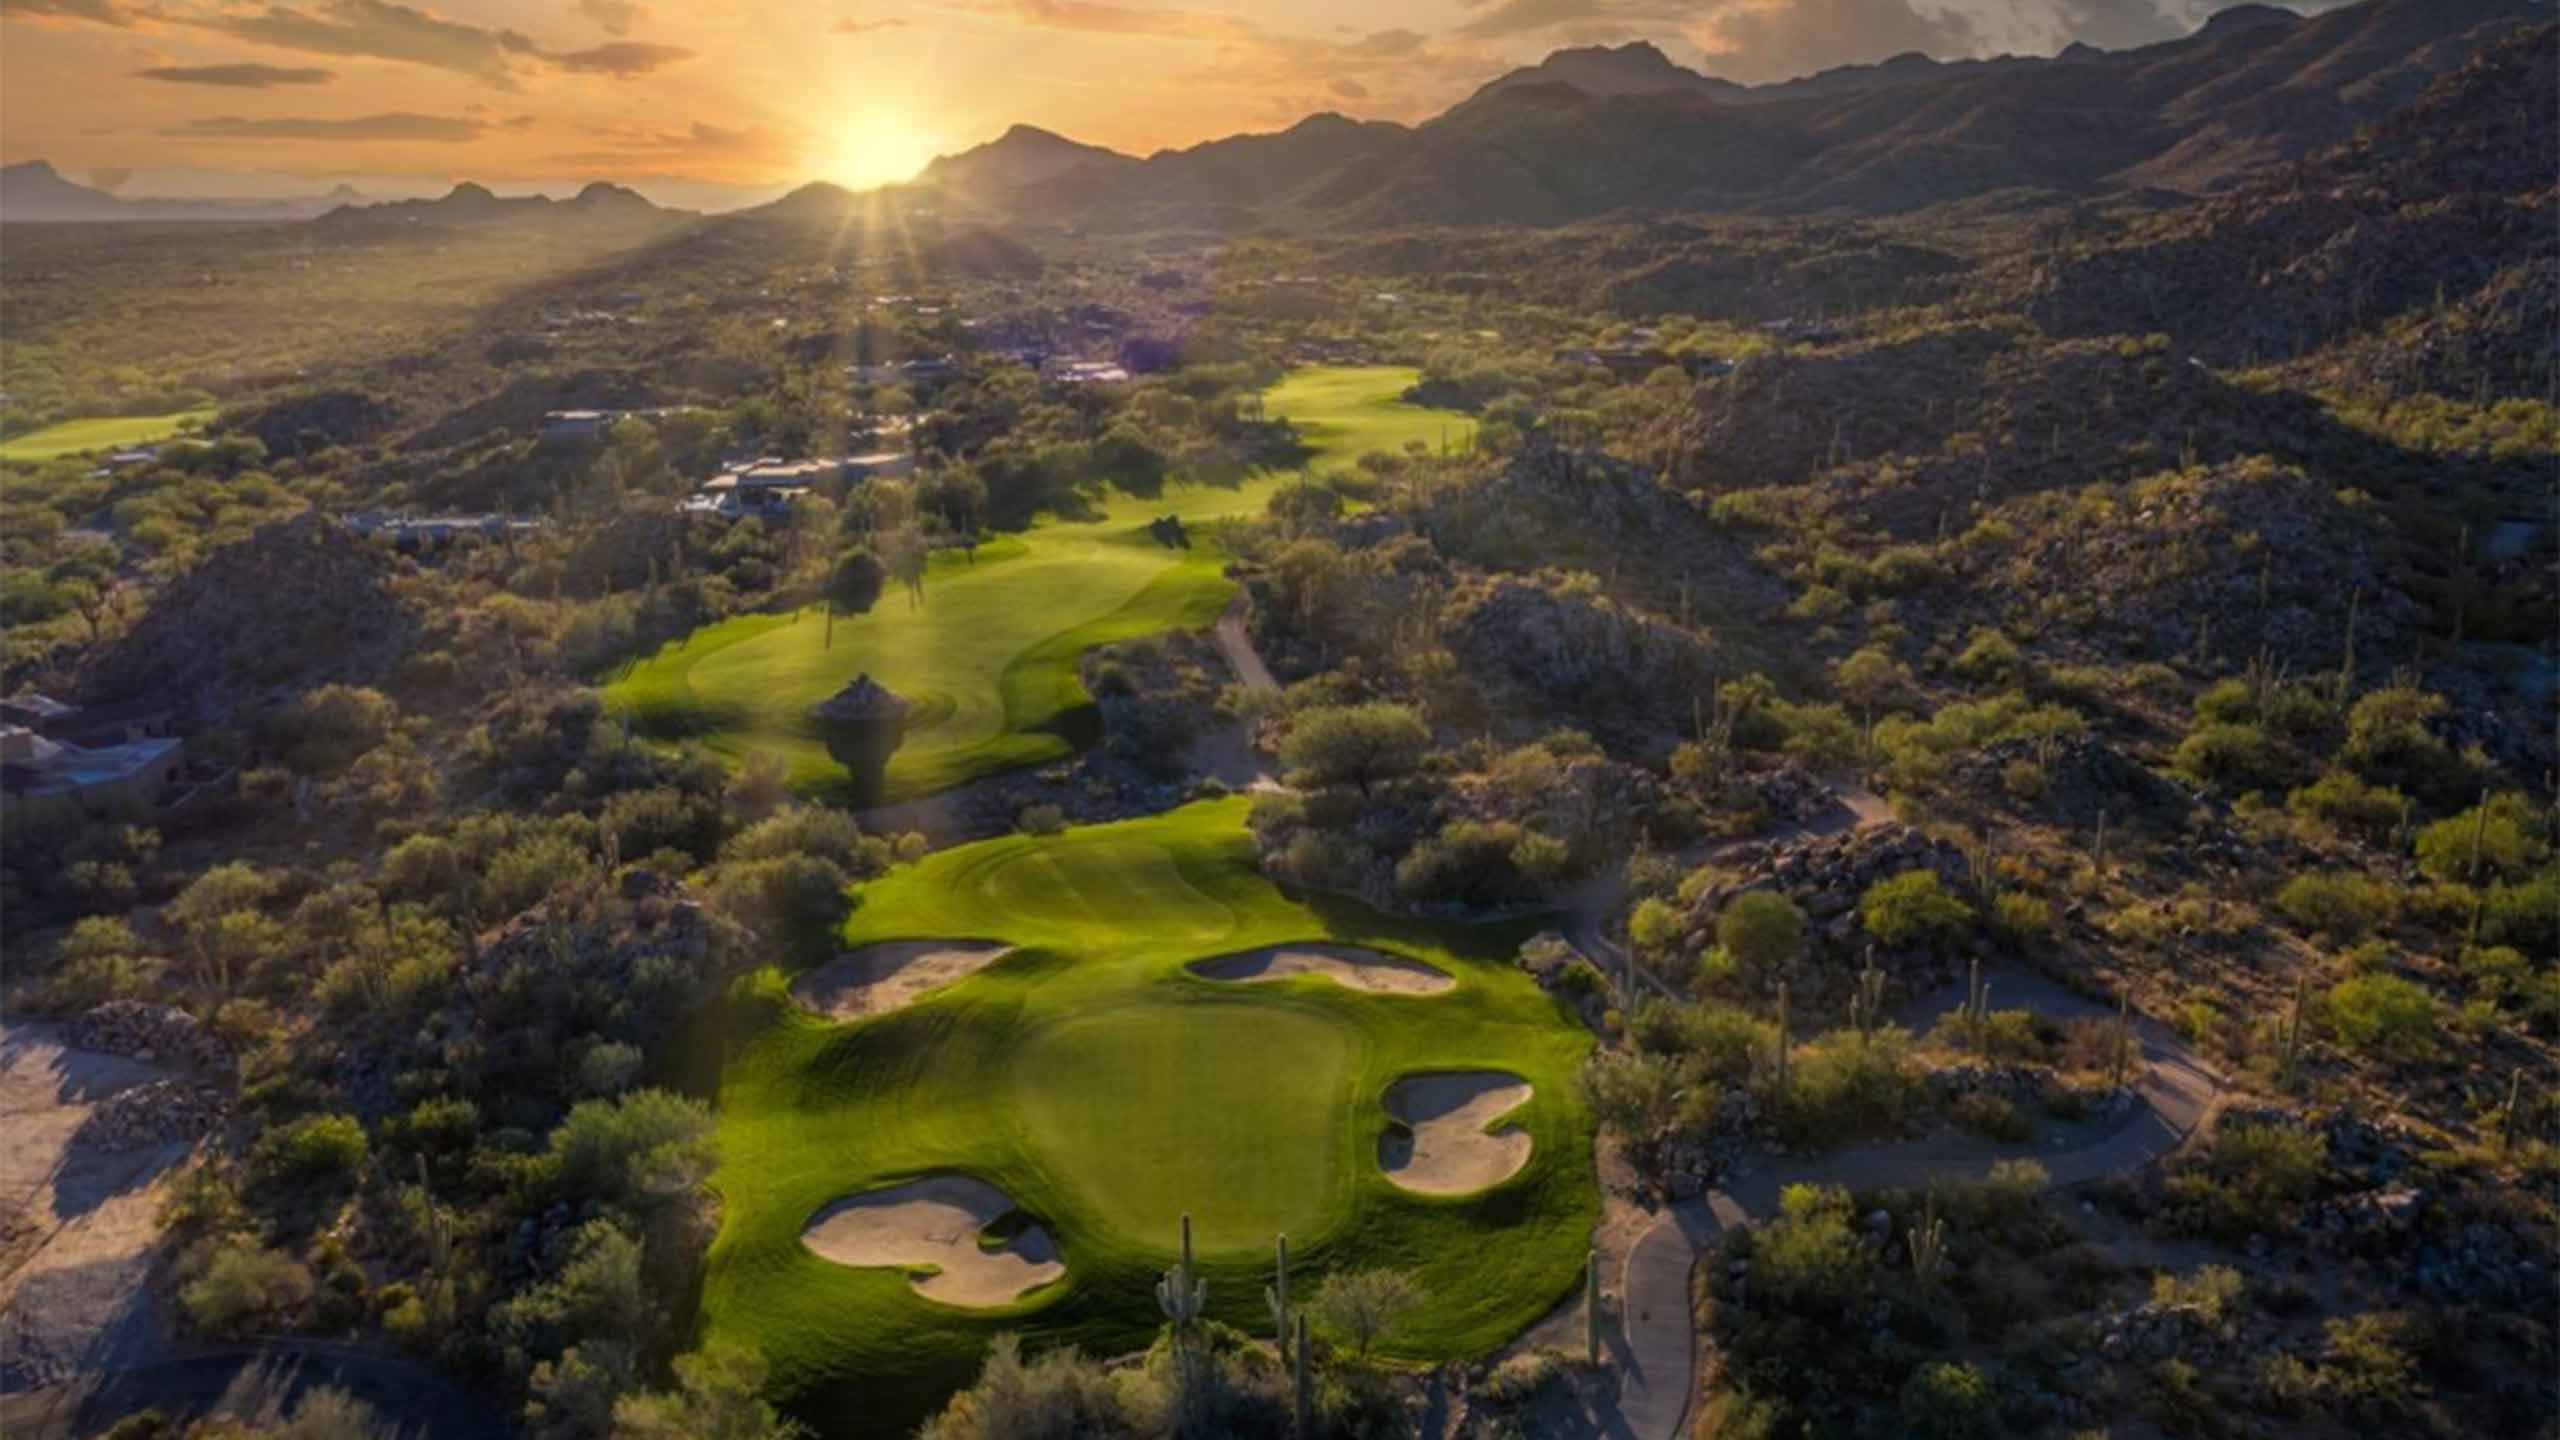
<point x="1342" y="964"/>
<point x="1441" y="1144"/>
<point x="936" y="1222"/>
<point x="877" y="979"/>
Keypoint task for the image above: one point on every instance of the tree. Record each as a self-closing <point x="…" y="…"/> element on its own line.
<point x="719" y="1395"/>
<point x="1364" y="1304"/>
<point x="1912" y="906"/>
<point x="1358" y="745"/>
<point x="1761" y="929"/>
<point x="854" y="584"/>
<point x="904" y="551"/>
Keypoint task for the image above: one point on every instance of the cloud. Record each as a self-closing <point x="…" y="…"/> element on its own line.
<point x="1758" y="40"/>
<point x="1348" y="89"/>
<point x="621" y="59"/>
<point x="623" y="148"/>
<point x="379" y="30"/>
<point x="850" y="26"/>
<point x="96" y="12"/>
<point x="1103" y="18"/>
<point x="615" y="17"/>
<point x="390" y="127"/>
<point x="238" y="77"/>
<point x="110" y="178"/>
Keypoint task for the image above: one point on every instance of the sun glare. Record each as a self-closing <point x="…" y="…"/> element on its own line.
<point x="877" y="149"/>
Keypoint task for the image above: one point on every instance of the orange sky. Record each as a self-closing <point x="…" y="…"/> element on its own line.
<point x="762" y="92"/>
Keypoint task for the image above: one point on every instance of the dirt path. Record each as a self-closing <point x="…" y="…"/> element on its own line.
<point x="250" y="1381"/>
<point x="1235" y="642"/>
<point x="2175" y="1092"/>
<point x="79" y="1219"/>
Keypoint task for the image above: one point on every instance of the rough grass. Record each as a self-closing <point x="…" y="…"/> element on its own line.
<point x="108" y="432"/>
<point x="991" y="654"/>
<point x="1107" y="1091"/>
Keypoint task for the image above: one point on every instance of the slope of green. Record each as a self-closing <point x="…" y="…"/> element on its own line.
<point x="1107" y="1091"/>
<point x="990" y="656"/>
<point x="108" y="432"/>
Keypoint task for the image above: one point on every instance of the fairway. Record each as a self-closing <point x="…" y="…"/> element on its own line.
<point x="1104" y="1089"/>
<point x="990" y="656"/>
<point x="108" y="432"/>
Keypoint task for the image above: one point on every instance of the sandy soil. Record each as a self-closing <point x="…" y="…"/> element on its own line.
<point x="877" y="979"/>
<point x="1342" y="964"/>
<point x="77" y="1223"/>
<point x="1445" y="1146"/>
<point x="936" y="1222"/>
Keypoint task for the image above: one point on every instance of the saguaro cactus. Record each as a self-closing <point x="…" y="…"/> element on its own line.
<point x="1780" y="1071"/>
<point x="1277" y="1293"/>
<point x="2289" y="1055"/>
<point x="2509" y="1112"/>
<point x="1928" y="1241"/>
<point x="1182" y="1294"/>
<point x="1591" y="1307"/>
<point x="1977" y="1002"/>
<point x="1306" y="1416"/>
<point x="2118" y="1060"/>
<point x="1866" y="1007"/>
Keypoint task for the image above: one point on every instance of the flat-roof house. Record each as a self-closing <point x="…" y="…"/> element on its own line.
<point x="40" y="776"/>
<point x="575" y="427"/>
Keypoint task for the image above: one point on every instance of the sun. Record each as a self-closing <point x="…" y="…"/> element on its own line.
<point x="877" y="148"/>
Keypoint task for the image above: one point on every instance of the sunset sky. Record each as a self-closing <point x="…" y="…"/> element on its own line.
<point x="286" y="96"/>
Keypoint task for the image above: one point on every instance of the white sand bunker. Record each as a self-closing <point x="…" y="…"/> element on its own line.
<point x="1342" y="964"/>
<point x="877" y="979"/>
<point x="936" y="1222"/>
<point x="1442" y="1142"/>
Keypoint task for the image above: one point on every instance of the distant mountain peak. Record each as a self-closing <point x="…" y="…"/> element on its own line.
<point x="33" y="170"/>
<point x="2246" y="17"/>
<point x="470" y="192"/>
<point x="1022" y="155"/>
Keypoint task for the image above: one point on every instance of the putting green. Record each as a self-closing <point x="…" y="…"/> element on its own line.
<point x="991" y="654"/>
<point x="1106" y="1090"/>
<point x="105" y="432"/>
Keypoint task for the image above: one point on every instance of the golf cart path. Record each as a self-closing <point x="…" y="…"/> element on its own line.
<point x="1235" y="642"/>
<point x="1659" y="1380"/>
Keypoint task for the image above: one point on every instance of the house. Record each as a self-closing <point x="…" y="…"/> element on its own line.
<point x="1085" y="372"/>
<point x="576" y="427"/>
<point x="420" y="532"/>
<point x="1635" y="362"/>
<point x="41" y="777"/>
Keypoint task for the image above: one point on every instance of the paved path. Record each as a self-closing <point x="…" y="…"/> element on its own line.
<point x="1235" y="642"/>
<point x="2175" y="1089"/>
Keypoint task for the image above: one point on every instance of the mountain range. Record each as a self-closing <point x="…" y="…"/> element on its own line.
<point x="1590" y="131"/>
<point x="36" y="191"/>
<point x="1598" y="130"/>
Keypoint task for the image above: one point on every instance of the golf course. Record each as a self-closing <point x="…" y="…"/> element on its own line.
<point x="1132" y="1025"/>
<point x="988" y="659"/>
<point x="106" y="432"/>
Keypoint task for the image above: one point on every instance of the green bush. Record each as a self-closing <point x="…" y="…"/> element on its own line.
<point x="1912" y="908"/>
<point x="2235" y="757"/>
<point x="2508" y="831"/>
<point x="1761" y="929"/>
<point x="1359" y="745"/>
<point x="1847" y="1084"/>
<point x="2025" y="920"/>
<point x="314" y="1148"/>
<point x="1809" y="1258"/>
<point x="1994" y="1116"/>
<point x="2339" y="904"/>
<point x="2343" y="799"/>
<point x="1948" y="1401"/>
<point x="242" y="1286"/>
<point x="2385" y="1013"/>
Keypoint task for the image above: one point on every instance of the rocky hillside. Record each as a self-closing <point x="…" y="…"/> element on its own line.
<point x="298" y="604"/>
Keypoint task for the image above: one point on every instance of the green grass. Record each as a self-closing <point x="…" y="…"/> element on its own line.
<point x="1108" y="1091"/>
<point x="1343" y="412"/>
<point x="109" y="432"/>
<point x="991" y="654"/>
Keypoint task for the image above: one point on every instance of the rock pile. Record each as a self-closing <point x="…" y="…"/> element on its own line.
<point x="152" y="1034"/>
<point x="1826" y="874"/>
<point x="155" y="1113"/>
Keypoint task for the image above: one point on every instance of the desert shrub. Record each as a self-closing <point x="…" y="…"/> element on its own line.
<point x="2248" y="1178"/>
<point x="1041" y="819"/>
<point x="1359" y="745"/>
<point x="242" y="1285"/>
<point x="2338" y="904"/>
<point x="2525" y="915"/>
<point x="1762" y="930"/>
<point x="1632" y="1093"/>
<point x="1994" y="1116"/>
<point x="1809" y="1257"/>
<point x="2367" y="1366"/>
<point x="2209" y="1293"/>
<point x="631" y="1149"/>
<point x="1847" y="1084"/>
<point x="2507" y="832"/>
<point x="324" y="730"/>
<point x="1481" y="862"/>
<point x="1948" y="1401"/>
<point x="525" y="873"/>
<point x="2025" y="920"/>
<point x="2235" y="757"/>
<point x="313" y="1149"/>
<point x="1822" y="736"/>
<point x="1362" y="1306"/>
<point x="2383" y="1012"/>
<point x="1912" y="908"/>
<point x="2344" y="799"/>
